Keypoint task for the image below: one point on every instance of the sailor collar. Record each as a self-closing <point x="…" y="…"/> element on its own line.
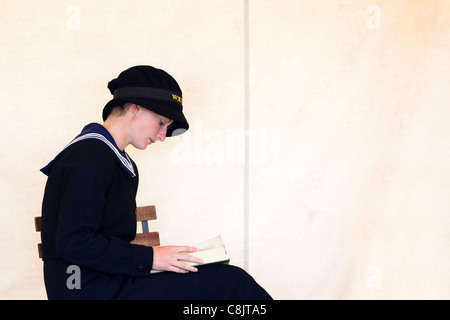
<point x="97" y="132"/>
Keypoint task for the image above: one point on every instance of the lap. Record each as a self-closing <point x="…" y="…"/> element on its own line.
<point x="215" y="281"/>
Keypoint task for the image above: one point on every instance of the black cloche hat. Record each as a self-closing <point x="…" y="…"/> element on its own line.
<point x="153" y="89"/>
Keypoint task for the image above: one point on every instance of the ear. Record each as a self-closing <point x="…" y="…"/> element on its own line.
<point x="134" y="108"/>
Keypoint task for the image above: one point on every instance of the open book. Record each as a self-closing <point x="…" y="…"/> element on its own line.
<point x="210" y="251"/>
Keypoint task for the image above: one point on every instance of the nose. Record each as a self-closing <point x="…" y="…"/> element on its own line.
<point x="162" y="134"/>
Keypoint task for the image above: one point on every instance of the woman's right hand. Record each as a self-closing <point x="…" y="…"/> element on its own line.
<point x="168" y="258"/>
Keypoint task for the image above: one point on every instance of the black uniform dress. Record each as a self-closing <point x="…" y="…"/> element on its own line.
<point x="89" y="220"/>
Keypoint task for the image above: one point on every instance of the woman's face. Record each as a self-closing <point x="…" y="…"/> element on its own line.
<point x="147" y="128"/>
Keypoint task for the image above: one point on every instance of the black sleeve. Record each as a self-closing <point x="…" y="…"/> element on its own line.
<point x="85" y="181"/>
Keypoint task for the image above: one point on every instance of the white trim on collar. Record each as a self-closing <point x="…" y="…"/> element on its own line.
<point x="125" y="161"/>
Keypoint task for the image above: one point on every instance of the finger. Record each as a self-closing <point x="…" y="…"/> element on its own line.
<point x="177" y="270"/>
<point x="188" y="268"/>
<point x="181" y="267"/>
<point x="189" y="258"/>
<point x="187" y="249"/>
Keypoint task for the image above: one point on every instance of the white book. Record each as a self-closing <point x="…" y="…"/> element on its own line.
<point x="210" y="251"/>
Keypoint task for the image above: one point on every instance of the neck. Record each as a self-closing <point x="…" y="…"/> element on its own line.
<point x="117" y="127"/>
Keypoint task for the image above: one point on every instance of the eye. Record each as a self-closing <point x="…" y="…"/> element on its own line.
<point x="161" y="124"/>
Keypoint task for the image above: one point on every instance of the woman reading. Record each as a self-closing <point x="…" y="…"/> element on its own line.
<point x="89" y="206"/>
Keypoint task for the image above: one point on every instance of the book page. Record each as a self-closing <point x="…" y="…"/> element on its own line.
<point x="212" y="243"/>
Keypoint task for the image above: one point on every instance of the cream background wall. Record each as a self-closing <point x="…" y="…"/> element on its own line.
<point x="318" y="141"/>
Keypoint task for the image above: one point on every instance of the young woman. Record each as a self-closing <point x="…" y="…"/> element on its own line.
<point x="88" y="210"/>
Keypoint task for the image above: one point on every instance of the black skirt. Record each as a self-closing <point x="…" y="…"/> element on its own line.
<point x="211" y="282"/>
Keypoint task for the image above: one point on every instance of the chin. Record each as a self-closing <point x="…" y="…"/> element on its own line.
<point x="140" y="146"/>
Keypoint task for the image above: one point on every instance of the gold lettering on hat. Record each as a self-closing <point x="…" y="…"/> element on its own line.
<point x="178" y="98"/>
